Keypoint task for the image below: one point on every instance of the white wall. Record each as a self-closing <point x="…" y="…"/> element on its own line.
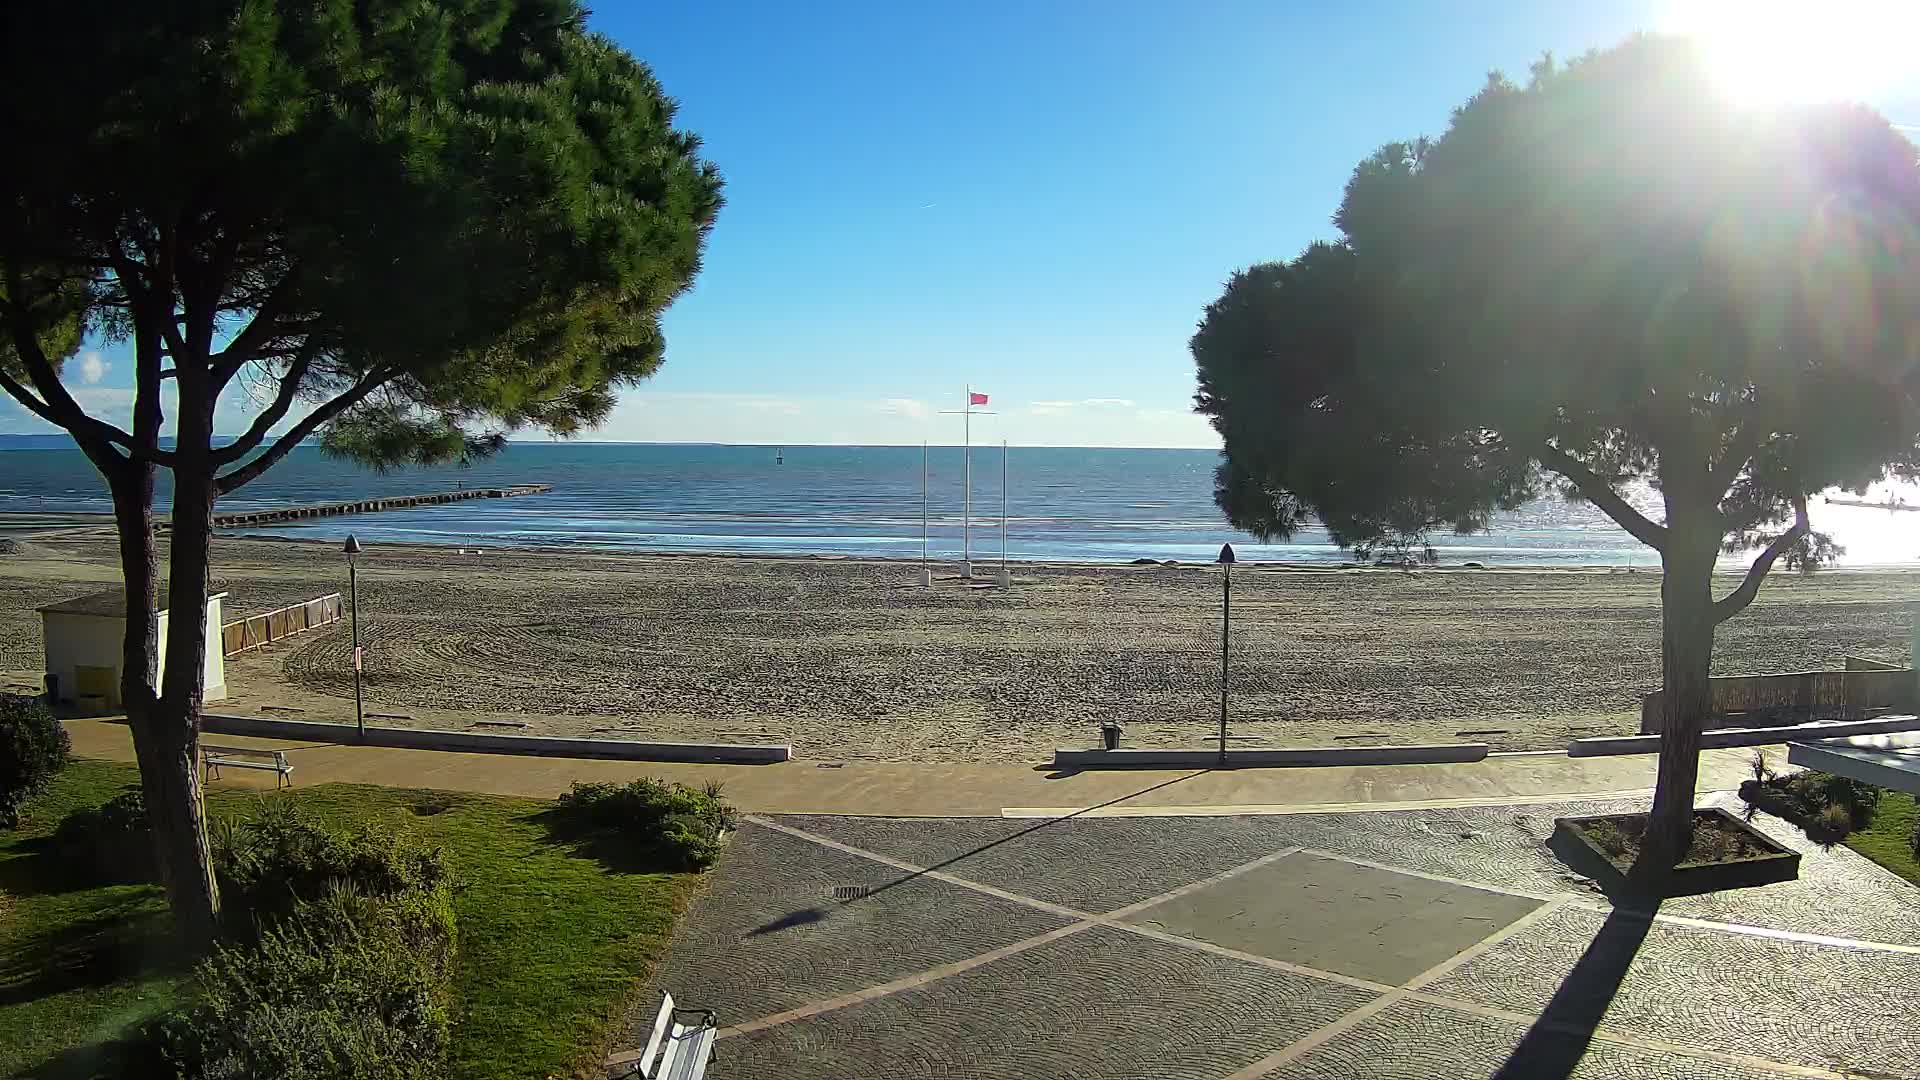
<point x="74" y="641"/>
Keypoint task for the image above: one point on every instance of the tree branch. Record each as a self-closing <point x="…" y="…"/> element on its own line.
<point x="1736" y="601"/>
<point x="56" y="406"/>
<point x="273" y="414"/>
<point x="295" y="435"/>
<point x="259" y="330"/>
<point x="1601" y="493"/>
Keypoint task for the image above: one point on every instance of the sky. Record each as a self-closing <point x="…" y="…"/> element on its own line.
<point x="1037" y="200"/>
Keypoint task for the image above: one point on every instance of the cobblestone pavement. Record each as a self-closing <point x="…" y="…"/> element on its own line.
<point x="1420" y="943"/>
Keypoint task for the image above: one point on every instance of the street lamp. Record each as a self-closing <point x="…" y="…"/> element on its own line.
<point x="1226" y="630"/>
<point x="353" y="600"/>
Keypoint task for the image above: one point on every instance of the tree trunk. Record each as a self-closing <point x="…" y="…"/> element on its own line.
<point x="1686" y="663"/>
<point x="182" y="835"/>
<point x="165" y="748"/>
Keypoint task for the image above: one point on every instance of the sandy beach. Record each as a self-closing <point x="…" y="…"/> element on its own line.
<point x="851" y="660"/>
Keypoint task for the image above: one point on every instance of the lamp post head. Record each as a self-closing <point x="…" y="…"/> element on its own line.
<point x="353" y="545"/>
<point x="1226" y="554"/>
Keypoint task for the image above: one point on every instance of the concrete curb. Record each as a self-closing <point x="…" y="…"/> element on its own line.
<point x="1725" y="737"/>
<point x="1253" y="757"/>
<point x="471" y="742"/>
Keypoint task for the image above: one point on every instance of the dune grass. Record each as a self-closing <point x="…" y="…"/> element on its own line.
<point x="553" y="945"/>
<point x="1889" y="840"/>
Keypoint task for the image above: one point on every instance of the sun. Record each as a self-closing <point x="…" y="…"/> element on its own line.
<point x="1771" y="51"/>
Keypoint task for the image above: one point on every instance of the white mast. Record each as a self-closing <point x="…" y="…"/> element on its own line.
<point x="926" y="572"/>
<point x="966" y="520"/>
<point x="1005" y="578"/>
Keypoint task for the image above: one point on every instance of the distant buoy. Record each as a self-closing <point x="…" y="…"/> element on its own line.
<point x="780" y="456"/>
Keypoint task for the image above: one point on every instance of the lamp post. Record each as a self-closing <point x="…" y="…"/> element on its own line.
<point x="1226" y="631"/>
<point x="353" y="601"/>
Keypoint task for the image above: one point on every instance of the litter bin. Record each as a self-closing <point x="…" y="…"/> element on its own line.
<point x="1110" y="735"/>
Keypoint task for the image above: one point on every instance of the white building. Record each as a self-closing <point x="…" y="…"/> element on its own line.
<point x="84" y="639"/>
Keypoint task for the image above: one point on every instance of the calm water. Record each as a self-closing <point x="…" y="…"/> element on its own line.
<point x="1065" y="504"/>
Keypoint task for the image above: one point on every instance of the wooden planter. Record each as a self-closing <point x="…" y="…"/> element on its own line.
<point x="1779" y="863"/>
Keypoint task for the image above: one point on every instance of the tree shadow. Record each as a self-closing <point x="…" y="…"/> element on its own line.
<point x="127" y="1054"/>
<point x="818" y="913"/>
<point x="1553" y="1046"/>
<point x="124" y="939"/>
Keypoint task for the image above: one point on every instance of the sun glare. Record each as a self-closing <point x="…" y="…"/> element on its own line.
<point x="1806" y="50"/>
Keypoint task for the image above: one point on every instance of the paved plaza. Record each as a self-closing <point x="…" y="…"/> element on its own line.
<point x="1423" y="943"/>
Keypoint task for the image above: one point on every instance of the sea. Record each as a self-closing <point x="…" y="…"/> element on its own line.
<point x="1058" y="504"/>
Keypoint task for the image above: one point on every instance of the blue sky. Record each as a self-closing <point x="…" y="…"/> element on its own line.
<point x="1037" y="199"/>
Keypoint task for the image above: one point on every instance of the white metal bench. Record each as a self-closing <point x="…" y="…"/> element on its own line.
<point x="213" y="758"/>
<point x="677" y="1049"/>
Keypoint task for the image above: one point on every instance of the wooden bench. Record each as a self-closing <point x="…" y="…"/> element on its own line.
<point x="214" y="758"/>
<point x="677" y="1049"/>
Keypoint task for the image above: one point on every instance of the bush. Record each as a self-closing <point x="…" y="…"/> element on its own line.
<point x="110" y="844"/>
<point x="1827" y="807"/>
<point x="659" y="825"/>
<point x="346" y="986"/>
<point x="33" y="747"/>
<point x="338" y="961"/>
<point x="268" y="863"/>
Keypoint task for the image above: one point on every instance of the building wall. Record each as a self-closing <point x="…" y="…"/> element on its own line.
<point x="76" y="641"/>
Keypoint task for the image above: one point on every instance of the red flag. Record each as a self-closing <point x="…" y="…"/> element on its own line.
<point x="976" y="399"/>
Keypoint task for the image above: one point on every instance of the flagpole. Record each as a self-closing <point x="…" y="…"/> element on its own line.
<point x="966" y="520"/>
<point x="1005" y="578"/>
<point x="926" y="572"/>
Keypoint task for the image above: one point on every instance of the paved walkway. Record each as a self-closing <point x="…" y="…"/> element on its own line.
<point x="1422" y="943"/>
<point x="971" y="790"/>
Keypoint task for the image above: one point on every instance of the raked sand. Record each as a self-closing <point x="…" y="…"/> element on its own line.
<point x="852" y="660"/>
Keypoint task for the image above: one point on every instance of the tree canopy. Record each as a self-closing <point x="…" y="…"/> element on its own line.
<point x="419" y="219"/>
<point x="404" y="226"/>
<point x="1612" y="281"/>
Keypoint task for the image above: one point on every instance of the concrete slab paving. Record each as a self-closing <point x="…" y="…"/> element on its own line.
<point x="1816" y="1005"/>
<point x="1339" y="916"/>
<point x="1104" y="983"/>
<point x="767" y="934"/>
<point x="1412" y="1041"/>
<point x="1099" y="1005"/>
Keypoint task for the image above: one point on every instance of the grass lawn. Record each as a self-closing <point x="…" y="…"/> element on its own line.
<point x="553" y="946"/>
<point x="1889" y="841"/>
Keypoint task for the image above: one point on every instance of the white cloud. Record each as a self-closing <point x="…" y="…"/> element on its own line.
<point x="93" y="368"/>
<point x="908" y="407"/>
<point x="1056" y="408"/>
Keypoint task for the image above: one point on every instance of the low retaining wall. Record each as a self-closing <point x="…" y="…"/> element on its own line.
<point x="1724" y="737"/>
<point x="474" y="742"/>
<point x="1251" y="757"/>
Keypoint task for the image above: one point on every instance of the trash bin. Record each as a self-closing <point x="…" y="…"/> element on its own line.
<point x="1110" y="735"/>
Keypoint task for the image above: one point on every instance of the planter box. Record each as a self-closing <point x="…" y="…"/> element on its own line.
<point x="1779" y="863"/>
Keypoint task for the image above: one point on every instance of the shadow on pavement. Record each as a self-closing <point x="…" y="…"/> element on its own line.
<point x="805" y="916"/>
<point x="1554" y="1045"/>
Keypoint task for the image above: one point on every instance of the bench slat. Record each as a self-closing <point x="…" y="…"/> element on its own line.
<point x="688" y="1052"/>
<point x="659" y="1032"/>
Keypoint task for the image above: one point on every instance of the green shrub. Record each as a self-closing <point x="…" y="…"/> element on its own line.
<point x="1826" y="806"/>
<point x="1836" y="819"/>
<point x="347" y="986"/>
<point x="33" y="747"/>
<point x="270" y="862"/>
<point x="110" y="844"/>
<point x="1607" y="837"/>
<point x="658" y="825"/>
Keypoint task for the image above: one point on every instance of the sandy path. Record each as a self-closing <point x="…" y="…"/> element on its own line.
<point x="849" y="660"/>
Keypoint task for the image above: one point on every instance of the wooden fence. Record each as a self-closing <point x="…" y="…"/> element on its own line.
<point x="258" y="630"/>
<point x="1797" y="697"/>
